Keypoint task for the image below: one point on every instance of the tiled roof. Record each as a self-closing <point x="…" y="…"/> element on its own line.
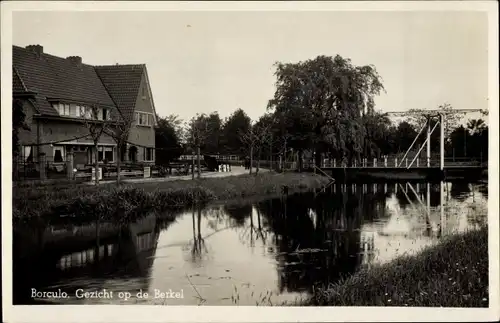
<point x="123" y="83"/>
<point x="17" y="83"/>
<point x="54" y="77"/>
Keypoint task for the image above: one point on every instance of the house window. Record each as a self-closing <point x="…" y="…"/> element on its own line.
<point x="143" y="118"/>
<point x="85" y="112"/>
<point x="148" y="154"/>
<point x="27" y="153"/>
<point x="62" y="108"/>
<point x="105" y="114"/>
<point x="106" y="153"/>
<point x="58" y="154"/>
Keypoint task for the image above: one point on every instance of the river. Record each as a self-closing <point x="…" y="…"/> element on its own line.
<point x="256" y="253"/>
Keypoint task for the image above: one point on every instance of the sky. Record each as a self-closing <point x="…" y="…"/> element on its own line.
<point x="199" y="62"/>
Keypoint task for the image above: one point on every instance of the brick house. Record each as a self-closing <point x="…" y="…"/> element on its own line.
<point x="64" y="93"/>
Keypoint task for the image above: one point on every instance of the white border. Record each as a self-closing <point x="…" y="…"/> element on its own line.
<point x="123" y="313"/>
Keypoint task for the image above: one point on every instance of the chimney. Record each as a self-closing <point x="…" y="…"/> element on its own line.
<point x="38" y="49"/>
<point x="77" y="60"/>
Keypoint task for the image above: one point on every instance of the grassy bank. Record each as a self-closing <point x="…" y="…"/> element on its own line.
<point x="451" y="274"/>
<point x="82" y="203"/>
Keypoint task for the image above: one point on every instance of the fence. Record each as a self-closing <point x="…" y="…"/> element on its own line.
<point x="33" y="169"/>
<point x="45" y="168"/>
<point x="397" y="162"/>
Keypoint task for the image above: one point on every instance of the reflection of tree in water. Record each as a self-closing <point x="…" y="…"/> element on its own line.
<point x="239" y="213"/>
<point x="477" y="212"/>
<point x="318" y="239"/>
<point x="483" y="189"/>
<point x="198" y="246"/>
<point x="256" y="230"/>
<point x="217" y="220"/>
<point x="459" y="190"/>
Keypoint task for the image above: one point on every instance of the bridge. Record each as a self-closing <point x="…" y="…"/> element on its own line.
<point x="411" y="167"/>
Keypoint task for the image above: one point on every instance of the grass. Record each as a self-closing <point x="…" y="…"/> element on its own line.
<point x="110" y="202"/>
<point x="451" y="274"/>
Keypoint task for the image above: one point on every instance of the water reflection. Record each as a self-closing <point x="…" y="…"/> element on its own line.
<point x="262" y="253"/>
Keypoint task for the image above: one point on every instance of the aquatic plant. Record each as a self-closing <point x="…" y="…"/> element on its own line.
<point x="451" y="274"/>
<point x="77" y="203"/>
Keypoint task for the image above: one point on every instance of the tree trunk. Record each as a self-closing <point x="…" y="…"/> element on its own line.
<point x="97" y="239"/>
<point x="299" y="162"/>
<point x="199" y="162"/>
<point x="96" y="163"/>
<point x="271" y="154"/>
<point x="317" y="158"/>
<point x="118" y="162"/>
<point x="258" y="161"/>
<point x="251" y="158"/>
<point x="192" y="165"/>
<point x="284" y="156"/>
<point x="199" y="222"/>
<point x="15" y="168"/>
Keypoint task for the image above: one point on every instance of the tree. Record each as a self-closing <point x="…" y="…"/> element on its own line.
<point x="253" y="139"/>
<point x="198" y="131"/>
<point x="95" y="128"/>
<point x="405" y="134"/>
<point x="167" y="140"/>
<point x="377" y="126"/>
<point x="478" y="139"/>
<point x="118" y="129"/>
<point x="18" y="123"/>
<point x="237" y="123"/>
<point x="476" y="126"/>
<point x="322" y="101"/>
<point x="177" y="124"/>
<point x="214" y="134"/>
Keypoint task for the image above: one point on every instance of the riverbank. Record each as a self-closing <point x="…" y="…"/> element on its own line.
<point x="451" y="274"/>
<point x="77" y="203"/>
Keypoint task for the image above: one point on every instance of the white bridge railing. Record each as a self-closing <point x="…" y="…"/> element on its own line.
<point x="397" y="163"/>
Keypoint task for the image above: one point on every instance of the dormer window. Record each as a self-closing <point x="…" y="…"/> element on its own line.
<point x="85" y="112"/>
<point x="63" y="109"/>
<point x="105" y="114"/>
<point x="82" y="111"/>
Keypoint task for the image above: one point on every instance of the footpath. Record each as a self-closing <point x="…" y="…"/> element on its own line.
<point x="235" y="171"/>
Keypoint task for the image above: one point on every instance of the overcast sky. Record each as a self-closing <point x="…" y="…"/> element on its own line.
<point x="221" y="61"/>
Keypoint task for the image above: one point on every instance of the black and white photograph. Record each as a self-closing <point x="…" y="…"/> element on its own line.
<point x="282" y="161"/>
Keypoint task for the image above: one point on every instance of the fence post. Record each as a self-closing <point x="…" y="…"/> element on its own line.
<point x="355" y="163"/>
<point x="99" y="173"/>
<point x="334" y="163"/>
<point x="43" y="166"/>
<point x="147" y="171"/>
<point x="417" y="162"/>
<point x="69" y="166"/>
<point x="406" y="162"/>
<point x="396" y="162"/>
<point x="374" y="162"/>
<point x="385" y="161"/>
